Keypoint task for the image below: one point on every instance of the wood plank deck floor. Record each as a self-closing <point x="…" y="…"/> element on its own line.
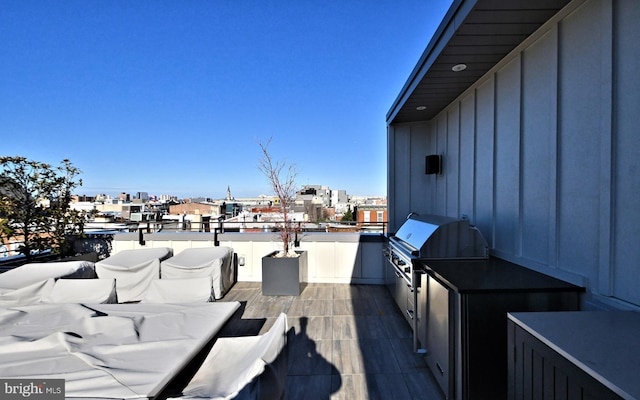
<point x="345" y="342"/>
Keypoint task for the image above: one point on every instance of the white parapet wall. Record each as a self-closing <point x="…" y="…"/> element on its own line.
<point x="333" y="257"/>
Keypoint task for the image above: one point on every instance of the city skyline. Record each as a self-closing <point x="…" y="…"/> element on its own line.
<point x="135" y="193"/>
<point x="175" y="96"/>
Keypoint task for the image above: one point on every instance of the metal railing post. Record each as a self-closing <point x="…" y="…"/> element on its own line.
<point x="141" y="237"/>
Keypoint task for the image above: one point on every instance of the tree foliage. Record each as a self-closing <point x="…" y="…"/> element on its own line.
<point x="348" y="215"/>
<point x="282" y="178"/>
<point x="34" y="204"/>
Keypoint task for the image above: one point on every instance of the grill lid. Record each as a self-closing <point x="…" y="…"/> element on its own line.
<point x="439" y="237"/>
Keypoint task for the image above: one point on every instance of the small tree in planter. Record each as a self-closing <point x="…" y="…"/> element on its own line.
<point x="284" y="272"/>
<point x="284" y="187"/>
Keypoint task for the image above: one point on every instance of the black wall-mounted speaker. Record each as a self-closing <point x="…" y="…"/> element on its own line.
<point x="433" y="164"/>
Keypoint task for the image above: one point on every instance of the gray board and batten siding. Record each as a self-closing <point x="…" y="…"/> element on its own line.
<point x="541" y="153"/>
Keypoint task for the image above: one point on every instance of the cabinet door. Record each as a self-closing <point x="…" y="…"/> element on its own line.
<point x="536" y="371"/>
<point x="440" y="341"/>
<point x="423" y="310"/>
<point x="390" y="278"/>
<point x="400" y="295"/>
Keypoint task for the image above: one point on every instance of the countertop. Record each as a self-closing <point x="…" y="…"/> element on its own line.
<point x="493" y="275"/>
<point x="602" y="343"/>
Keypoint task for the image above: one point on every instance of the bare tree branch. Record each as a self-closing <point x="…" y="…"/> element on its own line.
<point x="284" y="187"/>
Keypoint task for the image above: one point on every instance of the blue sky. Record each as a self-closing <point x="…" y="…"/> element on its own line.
<point x="172" y="97"/>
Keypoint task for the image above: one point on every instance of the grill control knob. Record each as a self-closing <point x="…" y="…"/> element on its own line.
<point x="407" y="270"/>
<point x="401" y="262"/>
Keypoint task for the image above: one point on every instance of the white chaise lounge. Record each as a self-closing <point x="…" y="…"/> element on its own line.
<point x="244" y="368"/>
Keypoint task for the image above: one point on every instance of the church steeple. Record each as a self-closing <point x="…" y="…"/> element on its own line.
<point x="228" y="194"/>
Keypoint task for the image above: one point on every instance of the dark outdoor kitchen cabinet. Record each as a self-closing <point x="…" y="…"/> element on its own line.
<point x="437" y="315"/>
<point x="468" y="355"/>
<point x="574" y="355"/>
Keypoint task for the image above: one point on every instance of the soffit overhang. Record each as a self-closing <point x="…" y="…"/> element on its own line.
<point x="477" y="33"/>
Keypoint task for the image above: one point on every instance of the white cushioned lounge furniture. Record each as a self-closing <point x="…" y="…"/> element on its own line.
<point x="216" y="262"/>
<point x="106" y="351"/>
<point x="177" y="291"/>
<point x="247" y="368"/>
<point x="30" y="294"/>
<point x="96" y="291"/>
<point x="133" y="270"/>
<point x="31" y="273"/>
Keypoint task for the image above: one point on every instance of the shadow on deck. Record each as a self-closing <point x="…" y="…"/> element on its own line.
<point x="345" y="342"/>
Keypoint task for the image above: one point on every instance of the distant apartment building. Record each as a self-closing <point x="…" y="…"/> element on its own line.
<point x="128" y="209"/>
<point x="338" y="197"/>
<point x="165" y="198"/>
<point x="315" y="194"/>
<point x="194" y="209"/>
<point x="85" y="206"/>
<point x="82" y="198"/>
<point x="144" y="196"/>
<point x="101" y="198"/>
<point x="371" y="214"/>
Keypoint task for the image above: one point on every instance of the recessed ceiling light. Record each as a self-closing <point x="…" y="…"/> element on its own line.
<point x="421" y="108"/>
<point x="459" y="67"/>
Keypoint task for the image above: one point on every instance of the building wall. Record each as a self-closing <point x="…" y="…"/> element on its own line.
<point x="542" y="153"/>
<point x="194" y="208"/>
<point x="371" y="214"/>
<point x="338" y="197"/>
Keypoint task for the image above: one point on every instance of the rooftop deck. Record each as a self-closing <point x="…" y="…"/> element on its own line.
<point x="345" y="341"/>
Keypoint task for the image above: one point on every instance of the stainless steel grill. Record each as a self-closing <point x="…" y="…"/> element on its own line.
<point x="424" y="238"/>
<point x="433" y="237"/>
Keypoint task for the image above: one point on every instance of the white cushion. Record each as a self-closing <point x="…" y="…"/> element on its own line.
<point x="27" y="295"/>
<point x="96" y="291"/>
<point x="134" y="257"/>
<point x="234" y="363"/>
<point x="216" y="262"/>
<point x="28" y="274"/>
<point x="133" y="270"/>
<point x="193" y="290"/>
